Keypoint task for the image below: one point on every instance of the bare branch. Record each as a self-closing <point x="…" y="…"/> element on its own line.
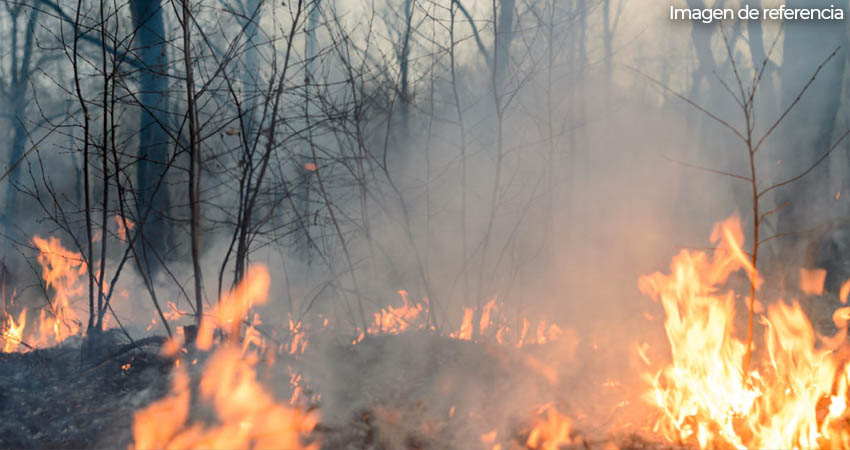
<point x="690" y="102"/>
<point x="812" y="167"/>
<point x="708" y="169"/>
<point x="796" y="100"/>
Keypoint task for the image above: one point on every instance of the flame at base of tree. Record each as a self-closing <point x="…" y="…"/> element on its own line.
<point x="795" y="397"/>
<point x="247" y="415"/>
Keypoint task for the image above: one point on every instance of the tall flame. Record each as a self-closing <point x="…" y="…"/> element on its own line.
<point x="228" y="313"/>
<point x="247" y="415"/>
<point x="796" y="398"/>
<point x="62" y="271"/>
<point x="14" y="332"/>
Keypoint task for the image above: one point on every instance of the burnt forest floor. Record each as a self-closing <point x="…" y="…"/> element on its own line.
<point x="50" y="399"/>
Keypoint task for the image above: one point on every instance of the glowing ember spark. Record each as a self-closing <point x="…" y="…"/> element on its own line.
<point x="173" y="313"/>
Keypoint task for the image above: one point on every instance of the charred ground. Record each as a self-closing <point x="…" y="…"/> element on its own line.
<point x="49" y="399"/>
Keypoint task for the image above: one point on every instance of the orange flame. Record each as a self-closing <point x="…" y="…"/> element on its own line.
<point x="845" y="290"/>
<point x="298" y="338"/>
<point x="811" y="281"/>
<point x="154" y="426"/>
<point x="247" y="415"/>
<point x="395" y="320"/>
<point x="62" y="271"/>
<point x="485" y="315"/>
<point x="795" y="399"/>
<point x="13" y="333"/>
<point x="551" y="433"/>
<point x="122" y="230"/>
<point x="228" y="313"/>
<point x="465" y="332"/>
<point x="492" y="318"/>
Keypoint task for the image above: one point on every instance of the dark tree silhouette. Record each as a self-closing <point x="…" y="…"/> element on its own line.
<point x="153" y="202"/>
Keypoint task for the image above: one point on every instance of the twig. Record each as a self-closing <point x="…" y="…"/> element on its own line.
<point x="708" y="169"/>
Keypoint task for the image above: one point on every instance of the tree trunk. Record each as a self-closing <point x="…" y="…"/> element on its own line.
<point x="18" y="87"/>
<point x="153" y="202"/>
<point x="701" y="37"/>
<point x="504" y="36"/>
<point x="404" y="62"/>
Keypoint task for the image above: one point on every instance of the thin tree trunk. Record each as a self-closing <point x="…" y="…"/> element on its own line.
<point x="151" y="41"/>
<point x="405" y="65"/>
<point x="194" y="163"/>
<point x="504" y="36"/>
<point x="85" y="171"/>
<point x="463" y="162"/>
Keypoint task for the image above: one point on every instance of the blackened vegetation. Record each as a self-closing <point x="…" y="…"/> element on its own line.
<point x="420" y="391"/>
<point x="393" y="396"/>
<point x="48" y="400"/>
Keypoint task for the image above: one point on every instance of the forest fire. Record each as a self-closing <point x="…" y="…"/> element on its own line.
<point x="394" y="320"/>
<point x="492" y="324"/>
<point x="424" y="224"/>
<point x="795" y="397"/>
<point x="13" y="332"/>
<point x="248" y="416"/>
<point x="551" y="433"/>
<point x="62" y="271"/>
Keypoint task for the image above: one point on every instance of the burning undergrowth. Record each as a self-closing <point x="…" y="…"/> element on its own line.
<point x="495" y="380"/>
<point x="789" y="391"/>
<point x="399" y="384"/>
